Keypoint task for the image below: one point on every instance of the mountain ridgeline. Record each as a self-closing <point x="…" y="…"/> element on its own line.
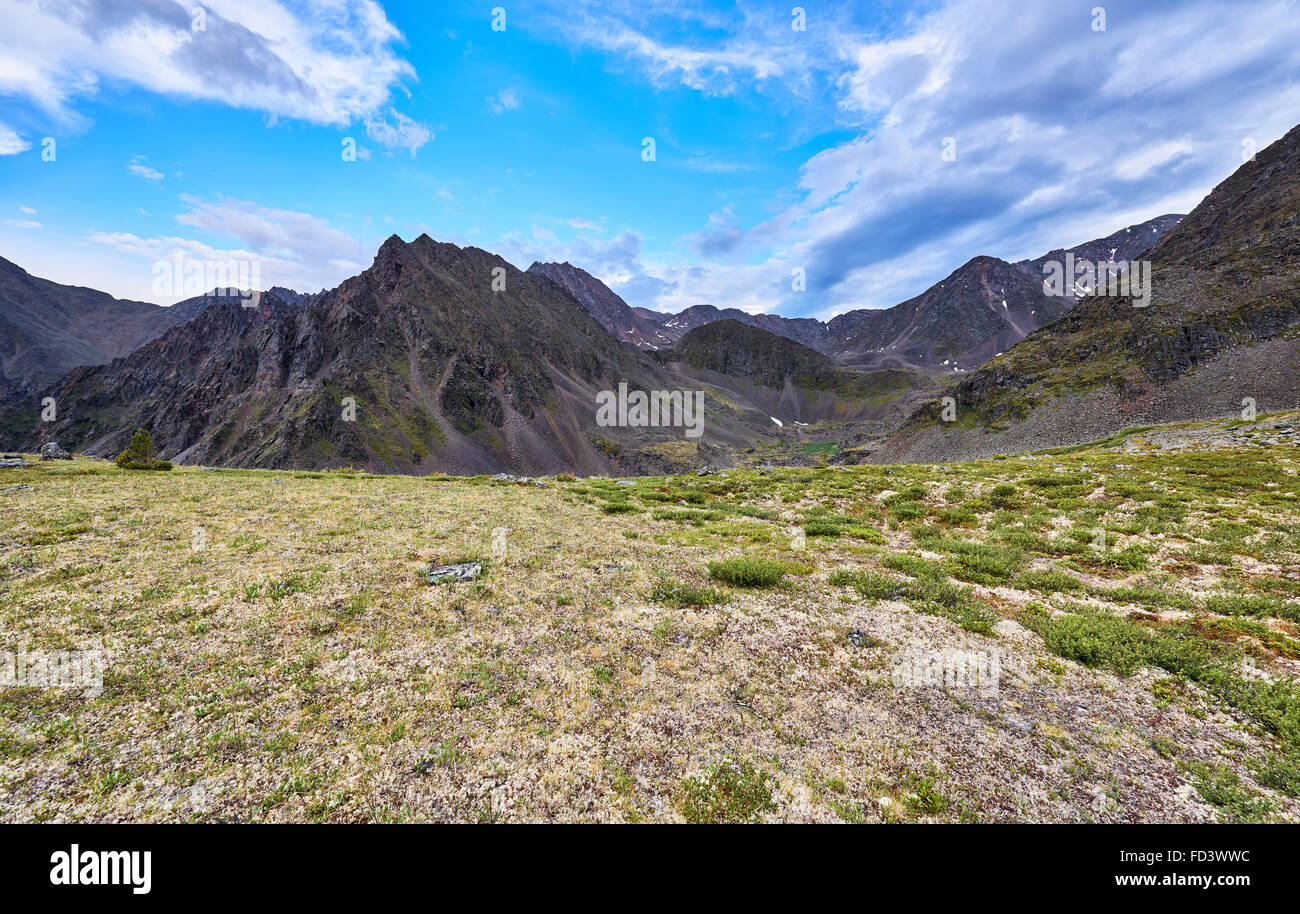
<point x="983" y="308"/>
<point x="415" y="365"/>
<point x="1219" y="338"/>
<point x="439" y="358"/>
<point x="47" y="329"/>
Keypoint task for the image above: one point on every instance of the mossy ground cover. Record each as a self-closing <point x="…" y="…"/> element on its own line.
<point x="715" y="648"/>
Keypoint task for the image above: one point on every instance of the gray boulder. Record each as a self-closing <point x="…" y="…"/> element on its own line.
<point x="50" y="450"/>
<point x="466" y="571"/>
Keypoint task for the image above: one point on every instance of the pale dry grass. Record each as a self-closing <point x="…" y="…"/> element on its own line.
<point x="274" y="654"/>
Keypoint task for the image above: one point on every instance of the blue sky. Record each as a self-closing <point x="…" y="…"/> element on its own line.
<point x="777" y="149"/>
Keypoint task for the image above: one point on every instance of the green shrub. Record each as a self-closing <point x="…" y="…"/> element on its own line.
<point x="1239" y="604"/>
<point x="747" y="571"/>
<point x="686" y="594"/>
<point x="619" y="507"/>
<point x="863" y="532"/>
<point x="1100" y="641"/>
<point x="912" y="565"/>
<point x="1222" y="787"/>
<point x="926" y="594"/>
<point x="908" y="510"/>
<point x="1049" y="581"/>
<point x="1280" y="772"/>
<point x="1003" y="495"/>
<point x="1144" y="594"/>
<point x="978" y="563"/>
<point x="1096" y="638"/>
<point x="869" y="584"/>
<point x="939" y="597"/>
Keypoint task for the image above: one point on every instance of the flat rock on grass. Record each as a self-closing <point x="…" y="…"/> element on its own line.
<point x="466" y="571"/>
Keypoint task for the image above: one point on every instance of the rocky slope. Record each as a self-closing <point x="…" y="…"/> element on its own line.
<point x="1126" y="244"/>
<point x="47" y="328"/>
<point x="415" y="365"/>
<point x="1220" y="337"/>
<point x="604" y="305"/>
<point x="982" y="308"/>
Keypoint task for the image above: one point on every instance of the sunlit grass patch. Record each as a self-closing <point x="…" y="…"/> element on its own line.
<point x="730" y="791"/>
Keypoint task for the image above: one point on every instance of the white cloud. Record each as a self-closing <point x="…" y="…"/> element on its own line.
<point x="273" y="232"/>
<point x="326" y="62"/>
<point x="1060" y="135"/>
<point x="23" y="223"/>
<point x="27" y="211"/>
<point x="10" y="142"/>
<point x="403" y="133"/>
<point x="293" y="249"/>
<point x="1140" y="162"/>
<point x="759" y="48"/>
<point x="145" y="172"/>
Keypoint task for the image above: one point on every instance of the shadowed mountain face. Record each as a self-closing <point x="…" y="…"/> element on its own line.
<point x="793" y="383"/>
<point x="1220" y="337"/>
<point x="610" y="311"/>
<point x="980" y="310"/>
<point x="47" y="329"/>
<point x="415" y="365"/>
<point x="804" y="330"/>
<point x="984" y="307"/>
<point x="732" y="348"/>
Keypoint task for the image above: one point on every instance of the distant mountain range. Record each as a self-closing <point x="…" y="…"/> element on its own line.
<point x="601" y="303"/>
<point x="981" y="309"/>
<point x="47" y="329"/>
<point x="416" y="365"/>
<point x="1220" y="337"/>
<point x="424" y="362"/>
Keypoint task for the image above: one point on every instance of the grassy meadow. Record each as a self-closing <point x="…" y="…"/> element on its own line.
<point x="699" y="648"/>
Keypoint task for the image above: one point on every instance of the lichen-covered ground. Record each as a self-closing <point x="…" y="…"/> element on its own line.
<point x="273" y="652"/>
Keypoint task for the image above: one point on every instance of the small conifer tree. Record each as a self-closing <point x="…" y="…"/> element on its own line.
<point x="141" y="454"/>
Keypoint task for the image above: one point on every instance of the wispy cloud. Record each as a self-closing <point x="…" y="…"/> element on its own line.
<point x="294" y="249"/>
<point x="981" y="128"/>
<point x="506" y="100"/>
<point x="11" y="143"/>
<point x="144" y="171"/>
<point x="402" y="133"/>
<point x="753" y="44"/>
